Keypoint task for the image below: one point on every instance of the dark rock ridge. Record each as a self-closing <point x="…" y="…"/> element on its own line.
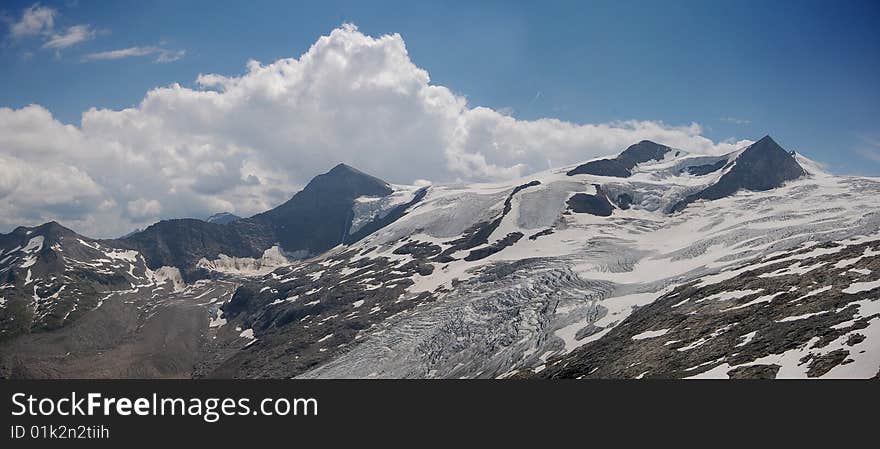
<point x="314" y="220"/>
<point x="764" y="165"/>
<point x="585" y="203"/>
<point x="222" y="218"/>
<point x="183" y="242"/>
<point x="486" y="251"/>
<point x="319" y="217"/>
<point x="643" y="151"/>
<point x="622" y="165"/>
<point x="705" y="169"/>
<point x="602" y="167"/>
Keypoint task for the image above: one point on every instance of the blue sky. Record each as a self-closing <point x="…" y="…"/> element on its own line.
<point x="613" y="72"/>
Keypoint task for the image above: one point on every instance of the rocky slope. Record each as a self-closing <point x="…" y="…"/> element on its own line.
<point x="50" y="276"/>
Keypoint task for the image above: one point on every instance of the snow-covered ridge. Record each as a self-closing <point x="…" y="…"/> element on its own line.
<point x="368" y="208"/>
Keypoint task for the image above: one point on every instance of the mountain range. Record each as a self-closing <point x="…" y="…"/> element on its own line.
<point x="656" y="262"/>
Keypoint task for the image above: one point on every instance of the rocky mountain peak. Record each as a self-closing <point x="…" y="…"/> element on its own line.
<point x="348" y="181"/>
<point x="622" y="165"/>
<point x="51" y="232"/>
<point x="643" y="151"/>
<point x="764" y="165"/>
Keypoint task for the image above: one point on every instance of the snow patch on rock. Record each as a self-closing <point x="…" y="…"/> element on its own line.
<point x="169" y="274"/>
<point x="272" y="258"/>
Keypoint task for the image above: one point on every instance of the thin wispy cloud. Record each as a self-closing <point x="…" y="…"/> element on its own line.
<point x="872" y="155"/>
<point x="170" y="55"/>
<point x="35" y="20"/>
<point x="161" y="55"/>
<point x="870" y="149"/>
<point x="70" y="37"/>
<point x="38" y="21"/>
<point x="735" y="121"/>
<point x="871" y="141"/>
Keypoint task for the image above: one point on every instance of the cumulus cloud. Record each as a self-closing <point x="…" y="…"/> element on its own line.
<point x="161" y="54"/>
<point x="246" y="143"/>
<point x="144" y="208"/>
<point x="35" y="20"/>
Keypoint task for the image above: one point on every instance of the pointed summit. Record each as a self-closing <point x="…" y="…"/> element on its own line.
<point x="766" y="139"/>
<point x="349" y="182"/>
<point x="763" y="165"/>
<point x="314" y="220"/>
<point x="319" y="217"/>
<point x="343" y="168"/>
<point x="765" y="143"/>
<point x="51" y="230"/>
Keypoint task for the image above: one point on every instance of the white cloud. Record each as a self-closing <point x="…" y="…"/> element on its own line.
<point x="246" y="143"/>
<point x="169" y="55"/>
<point x="735" y="121"/>
<point x="35" y="20"/>
<point x="39" y="21"/>
<point x="121" y="53"/>
<point x="161" y="54"/>
<point x="70" y="37"/>
<point x="144" y="208"/>
<point x="869" y="148"/>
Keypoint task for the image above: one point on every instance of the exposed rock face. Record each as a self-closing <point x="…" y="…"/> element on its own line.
<point x="644" y="151"/>
<point x="705" y="169"/>
<point x="183" y="242"/>
<point x="584" y="203"/>
<point x="754" y="372"/>
<point x="762" y="166"/>
<point x="319" y="217"/>
<point x="622" y="165"/>
<point x="482" y="253"/>
<point x="598" y="204"/>
<point x="602" y="167"/>
<point x="222" y="218"/>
